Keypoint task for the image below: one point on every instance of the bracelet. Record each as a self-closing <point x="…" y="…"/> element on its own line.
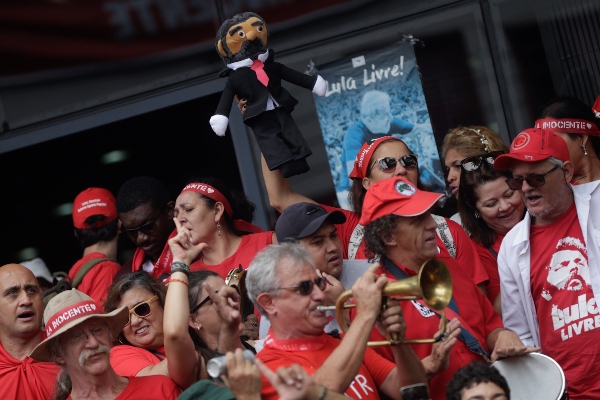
<point x="323" y="393"/>
<point x="179" y="280"/>
<point x="180" y="266"/>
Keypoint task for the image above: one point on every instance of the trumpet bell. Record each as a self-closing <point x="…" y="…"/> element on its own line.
<point x="433" y="284"/>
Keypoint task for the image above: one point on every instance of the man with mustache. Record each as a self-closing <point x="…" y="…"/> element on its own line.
<point x="20" y="331"/>
<point x="79" y="337"/>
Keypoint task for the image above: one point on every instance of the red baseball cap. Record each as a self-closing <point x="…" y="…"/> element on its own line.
<point x="94" y="201"/>
<point x="396" y="196"/>
<point x="596" y="107"/>
<point x="363" y="158"/>
<point x="533" y="145"/>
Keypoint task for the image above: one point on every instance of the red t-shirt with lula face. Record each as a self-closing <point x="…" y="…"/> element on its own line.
<point x="566" y="309"/>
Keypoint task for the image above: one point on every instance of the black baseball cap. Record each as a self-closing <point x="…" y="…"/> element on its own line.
<point x="303" y="219"/>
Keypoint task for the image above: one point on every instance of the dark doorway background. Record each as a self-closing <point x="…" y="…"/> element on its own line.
<point x="173" y="145"/>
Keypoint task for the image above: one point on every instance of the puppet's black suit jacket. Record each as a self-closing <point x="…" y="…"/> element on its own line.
<point x="245" y="84"/>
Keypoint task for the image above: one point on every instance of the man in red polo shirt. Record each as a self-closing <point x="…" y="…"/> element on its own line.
<point x="96" y="228"/>
<point x="20" y="331"/>
<point x="399" y="227"/>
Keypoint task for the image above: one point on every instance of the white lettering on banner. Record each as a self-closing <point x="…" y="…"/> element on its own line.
<point x="577" y="318"/>
<point x="361" y="380"/>
<point x="132" y="18"/>
<point x="368" y="77"/>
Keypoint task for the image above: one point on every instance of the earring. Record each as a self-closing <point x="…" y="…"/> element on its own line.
<point x="476" y="215"/>
<point x="219" y="228"/>
<point x="584" y="149"/>
<point x="198" y="327"/>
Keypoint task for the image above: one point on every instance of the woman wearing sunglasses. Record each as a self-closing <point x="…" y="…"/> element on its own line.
<point x="463" y="142"/>
<point x="140" y="349"/>
<point x="488" y="209"/>
<point x="381" y="159"/>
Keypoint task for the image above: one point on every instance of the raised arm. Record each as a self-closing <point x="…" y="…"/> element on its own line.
<point x="347" y="358"/>
<point x="279" y="190"/>
<point x="179" y="347"/>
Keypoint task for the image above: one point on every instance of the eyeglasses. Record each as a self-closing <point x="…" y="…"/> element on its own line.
<point x="305" y="288"/>
<point x="147" y="229"/>
<point x="535" y="180"/>
<point x="98" y="332"/>
<point x="203" y="302"/>
<point x="142" y="310"/>
<point x="388" y="164"/>
<point x="474" y="163"/>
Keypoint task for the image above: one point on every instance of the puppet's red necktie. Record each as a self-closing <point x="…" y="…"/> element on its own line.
<point x="257" y="67"/>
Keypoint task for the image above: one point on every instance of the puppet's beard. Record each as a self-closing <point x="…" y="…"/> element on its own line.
<point x="250" y="49"/>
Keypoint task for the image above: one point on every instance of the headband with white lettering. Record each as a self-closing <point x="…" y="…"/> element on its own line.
<point x="70" y="313"/>
<point x="212" y="193"/>
<point x="568" y="125"/>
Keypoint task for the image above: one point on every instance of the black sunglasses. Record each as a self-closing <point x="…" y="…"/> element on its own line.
<point x="147" y="228"/>
<point x="388" y="164"/>
<point x="535" y="180"/>
<point x="474" y="163"/>
<point x="203" y="302"/>
<point x="305" y="288"/>
<point x="142" y="310"/>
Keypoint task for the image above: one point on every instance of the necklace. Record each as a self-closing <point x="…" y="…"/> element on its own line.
<point x="578" y="179"/>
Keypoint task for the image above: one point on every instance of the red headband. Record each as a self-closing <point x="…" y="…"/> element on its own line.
<point x="74" y="311"/>
<point x="568" y="125"/>
<point x="212" y="193"/>
<point x="596" y="107"/>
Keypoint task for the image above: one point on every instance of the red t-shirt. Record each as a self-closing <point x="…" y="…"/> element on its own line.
<point x="490" y="263"/>
<point x="97" y="280"/>
<point x="565" y="305"/>
<point x="27" y="378"/>
<point x="250" y="245"/>
<point x="130" y="360"/>
<point x="311" y="353"/>
<point x="476" y="314"/>
<point x="149" y="387"/>
<point x="466" y="253"/>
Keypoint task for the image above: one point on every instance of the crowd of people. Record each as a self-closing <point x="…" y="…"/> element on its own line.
<point x="522" y="255"/>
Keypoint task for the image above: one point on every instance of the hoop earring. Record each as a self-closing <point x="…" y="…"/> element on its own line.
<point x="219" y="228"/>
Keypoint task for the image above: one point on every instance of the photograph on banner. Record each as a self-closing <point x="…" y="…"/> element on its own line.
<point x="374" y="94"/>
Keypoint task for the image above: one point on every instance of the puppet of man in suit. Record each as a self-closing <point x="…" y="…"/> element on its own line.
<point x="254" y="76"/>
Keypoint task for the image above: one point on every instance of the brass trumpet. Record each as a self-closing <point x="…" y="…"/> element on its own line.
<point x="433" y="284"/>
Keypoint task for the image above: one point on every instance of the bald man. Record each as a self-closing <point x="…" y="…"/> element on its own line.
<point x="20" y="331"/>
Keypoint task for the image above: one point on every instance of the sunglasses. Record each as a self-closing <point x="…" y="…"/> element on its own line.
<point x="535" y="180"/>
<point x="388" y="164"/>
<point x="142" y="310"/>
<point x="305" y="288"/>
<point x="203" y="302"/>
<point x="474" y="163"/>
<point x="147" y="228"/>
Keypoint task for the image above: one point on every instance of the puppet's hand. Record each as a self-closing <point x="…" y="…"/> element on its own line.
<point x="320" y="87"/>
<point x="219" y="124"/>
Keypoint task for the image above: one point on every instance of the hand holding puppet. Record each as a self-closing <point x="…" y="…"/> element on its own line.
<point x="253" y="75"/>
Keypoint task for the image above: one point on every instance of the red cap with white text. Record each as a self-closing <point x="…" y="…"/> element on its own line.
<point x="94" y="201"/>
